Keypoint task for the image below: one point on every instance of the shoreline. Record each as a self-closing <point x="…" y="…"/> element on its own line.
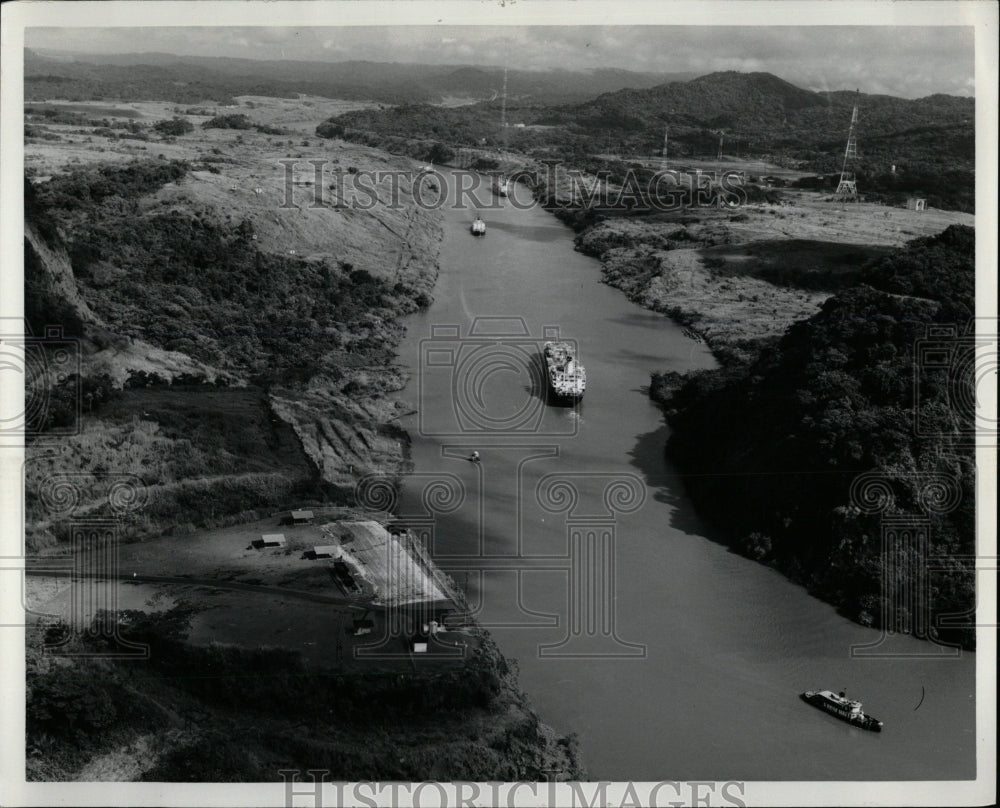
<point x="313" y="438"/>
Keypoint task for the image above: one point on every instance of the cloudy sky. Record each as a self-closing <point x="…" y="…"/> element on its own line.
<point x="907" y="61"/>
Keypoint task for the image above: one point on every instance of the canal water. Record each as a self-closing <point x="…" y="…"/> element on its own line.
<point x="669" y="656"/>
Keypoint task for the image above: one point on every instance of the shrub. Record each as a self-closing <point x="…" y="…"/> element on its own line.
<point x="175" y="126"/>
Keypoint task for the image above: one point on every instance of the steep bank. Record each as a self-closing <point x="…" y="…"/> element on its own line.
<point x="162" y="720"/>
<point x="843" y="426"/>
<point x="166" y="277"/>
<point x="235" y="333"/>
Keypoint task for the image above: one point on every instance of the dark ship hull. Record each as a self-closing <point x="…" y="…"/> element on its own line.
<point x="842" y="708"/>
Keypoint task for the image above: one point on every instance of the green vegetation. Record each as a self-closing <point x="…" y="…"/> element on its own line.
<point x="241" y="715"/>
<point x="770" y="449"/>
<point x="923" y="147"/>
<point x="175" y="126"/>
<point x="182" y="281"/>
<point x="187" y="283"/>
<point x="236" y="121"/>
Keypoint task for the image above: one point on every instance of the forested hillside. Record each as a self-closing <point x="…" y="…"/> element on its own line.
<point x="770" y="450"/>
<point x="923" y="147"/>
<point x="194" y="79"/>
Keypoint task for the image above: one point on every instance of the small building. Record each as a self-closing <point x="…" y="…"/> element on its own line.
<point x="914" y="203"/>
<point x="272" y="540"/>
<point x="326" y="551"/>
<point x="301" y="517"/>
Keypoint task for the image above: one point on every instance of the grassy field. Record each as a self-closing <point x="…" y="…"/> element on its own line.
<point x="735" y="276"/>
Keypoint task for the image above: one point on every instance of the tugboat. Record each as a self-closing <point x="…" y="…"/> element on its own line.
<point x="841" y="707"/>
<point x="479" y="227"/>
<point x="567" y="377"/>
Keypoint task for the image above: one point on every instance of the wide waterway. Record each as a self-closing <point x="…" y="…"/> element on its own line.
<point x="669" y="656"/>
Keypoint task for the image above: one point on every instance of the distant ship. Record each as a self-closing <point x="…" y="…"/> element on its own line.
<point x="842" y="707"/>
<point x="479" y="227"/>
<point x="567" y="377"/>
<point x="501" y="185"/>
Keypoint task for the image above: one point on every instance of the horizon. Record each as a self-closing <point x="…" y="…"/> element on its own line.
<point x="904" y="62"/>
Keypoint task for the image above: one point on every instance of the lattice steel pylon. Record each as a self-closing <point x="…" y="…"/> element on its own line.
<point x="503" y="100"/>
<point x="847" y="189"/>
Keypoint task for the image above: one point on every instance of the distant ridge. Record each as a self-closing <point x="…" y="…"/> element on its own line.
<point x="122" y="76"/>
<point x="766" y="113"/>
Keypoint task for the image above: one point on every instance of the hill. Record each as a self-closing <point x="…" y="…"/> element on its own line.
<point x="766" y="114"/>
<point x="194" y="79"/>
<point x="922" y="147"/>
<point x="772" y="450"/>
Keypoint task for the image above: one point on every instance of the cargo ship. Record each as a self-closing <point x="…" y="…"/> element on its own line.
<point x="842" y="707"/>
<point x="567" y="377"/>
<point x="479" y="227"/>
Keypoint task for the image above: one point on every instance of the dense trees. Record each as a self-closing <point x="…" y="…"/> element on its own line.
<point x="187" y="283"/>
<point x="771" y="450"/>
<point x="175" y="126"/>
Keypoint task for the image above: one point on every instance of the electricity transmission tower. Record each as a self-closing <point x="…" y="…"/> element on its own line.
<point x="666" y="137"/>
<point x="503" y="101"/>
<point x="847" y="189"/>
<point x="722" y="135"/>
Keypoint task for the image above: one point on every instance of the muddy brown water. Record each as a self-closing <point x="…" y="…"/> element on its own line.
<point x="669" y="656"/>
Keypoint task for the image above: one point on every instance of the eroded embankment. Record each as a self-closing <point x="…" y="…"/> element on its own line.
<point x="232" y="355"/>
<point x="164" y="719"/>
<point x="198" y="305"/>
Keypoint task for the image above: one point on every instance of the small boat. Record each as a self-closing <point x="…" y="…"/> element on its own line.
<point x="479" y="227"/>
<point x="567" y="377"/>
<point x="501" y="185"/>
<point x="841" y="707"/>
